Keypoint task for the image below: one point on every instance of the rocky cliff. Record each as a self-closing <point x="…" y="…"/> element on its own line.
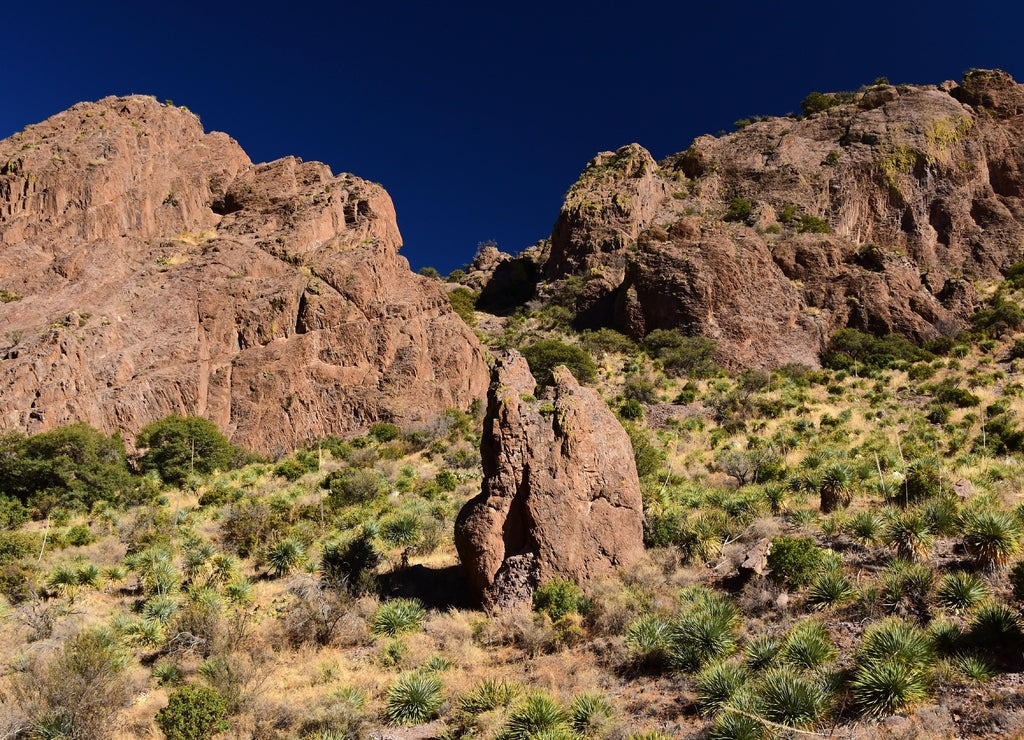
<point x="148" y="268"/>
<point x="875" y="211"/>
<point x="560" y="496"/>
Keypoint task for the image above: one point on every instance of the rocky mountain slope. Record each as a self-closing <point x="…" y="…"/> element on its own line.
<point x="875" y="210"/>
<point x="148" y="268"/>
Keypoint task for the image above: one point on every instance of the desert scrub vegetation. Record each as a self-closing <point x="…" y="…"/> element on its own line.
<point x="825" y="547"/>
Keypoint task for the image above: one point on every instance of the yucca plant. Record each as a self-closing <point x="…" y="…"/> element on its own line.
<point x="894" y="639"/>
<point x="488" y="695"/>
<point x="717" y="684"/>
<point x="707" y="632"/>
<point x="590" y="715"/>
<point x="946" y="637"/>
<point x="995" y="628"/>
<point x="761" y="651"/>
<point x="64" y="580"/>
<point x="239" y="591"/>
<point x="790" y="699"/>
<point x="866" y="527"/>
<point x="647" y="640"/>
<point x="537" y="713"/>
<point x="959" y="591"/>
<point x="992" y="538"/>
<point x="731" y="725"/>
<point x="808" y="646"/>
<point x="284" y="555"/>
<point x="160" y="608"/>
<point x="885" y="686"/>
<point x="910" y="535"/>
<point x="829" y="588"/>
<point x="413" y="698"/>
<point x="396" y="617"/>
<point x="836" y="487"/>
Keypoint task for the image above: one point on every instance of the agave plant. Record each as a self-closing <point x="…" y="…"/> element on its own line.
<point x="992" y="538"/>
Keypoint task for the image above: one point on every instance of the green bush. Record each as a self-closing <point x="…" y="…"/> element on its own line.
<point x="682" y="355"/>
<point x="850" y="349"/>
<point x="740" y="210"/>
<point x="545" y="355"/>
<point x="813" y="225"/>
<point x="193" y="713"/>
<point x="351" y="564"/>
<point x="397" y="617"/>
<point x="72" y="466"/>
<point x="794" y="560"/>
<point x="706" y="632"/>
<point x="446" y="480"/>
<point x="178" y="447"/>
<point x="353" y="486"/>
<point x="463" y="302"/>
<point x="559" y="597"/>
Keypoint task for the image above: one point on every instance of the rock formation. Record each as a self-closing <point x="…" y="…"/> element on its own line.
<point x="873" y="212"/>
<point x="149" y="268"/>
<point x="560" y="495"/>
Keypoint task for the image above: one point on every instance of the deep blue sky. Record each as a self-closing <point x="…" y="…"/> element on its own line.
<point x="477" y="117"/>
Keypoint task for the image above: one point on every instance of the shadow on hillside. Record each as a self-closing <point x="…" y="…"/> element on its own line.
<point x="436" y="588"/>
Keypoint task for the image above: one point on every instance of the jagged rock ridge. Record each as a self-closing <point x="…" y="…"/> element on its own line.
<point x="919" y="188"/>
<point x="150" y="268"/>
<point x="560" y="495"/>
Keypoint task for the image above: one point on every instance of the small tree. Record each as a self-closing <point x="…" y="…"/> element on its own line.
<point x="193" y="713"/>
<point x="547" y="354"/>
<point x="177" y="447"/>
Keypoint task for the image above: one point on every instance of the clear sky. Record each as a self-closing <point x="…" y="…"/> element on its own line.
<point x="477" y="117"/>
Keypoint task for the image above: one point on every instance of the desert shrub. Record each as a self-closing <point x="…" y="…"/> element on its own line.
<point x="384" y="432"/>
<point x="177" y="447"/>
<point x="353" y="486"/>
<point x="813" y="225"/>
<point x="18" y="544"/>
<point x="545" y="355"/>
<point x="794" y="560"/>
<point x="559" y="597"/>
<point x="852" y="349"/>
<point x="740" y="210"/>
<point x="647" y="640"/>
<point x="351" y="564"/>
<point x="193" y="713"/>
<point x="74" y="466"/>
<point x="604" y="341"/>
<point x="817" y="102"/>
<point x="998" y="317"/>
<point x="284" y="555"/>
<point x="291" y="469"/>
<point x="463" y="302"/>
<point x="647" y="457"/>
<point x="446" y="480"/>
<point x="413" y="698"/>
<point x="80" y="691"/>
<point x="682" y="355"/>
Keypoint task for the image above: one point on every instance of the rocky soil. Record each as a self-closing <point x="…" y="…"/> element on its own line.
<point x="149" y="268"/>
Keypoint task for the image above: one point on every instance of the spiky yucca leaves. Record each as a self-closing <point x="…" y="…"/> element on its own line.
<point x="761" y="651"/>
<point x="718" y="684"/>
<point x="647" y="640"/>
<point x="976" y="668"/>
<point x="808" y="646"/>
<point x="992" y="538"/>
<point x="910" y="535"/>
<point x="995" y="629"/>
<point x="894" y="664"/>
<point x="700" y="539"/>
<point x="830" y="588"/>
<point x="959" y="591"/>
<point x="866" y="527"/>
<point x="396" y="617"/>
<point x="284" y="555"/>
<point x="538" y="713"/>
<point x="788" y="698"/>
<point x="413" y="699"/>
<point x="731" y="725"/>
<point x="590" y="715"/>
<point x="706" y="632"/>
<point x="836" y="487"/>
<point x="946" y="637"/>
<point x="488" y="695"/>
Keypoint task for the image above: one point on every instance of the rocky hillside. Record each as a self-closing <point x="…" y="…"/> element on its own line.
<point x="148" y="268"/>
<point x="874" y="210"/>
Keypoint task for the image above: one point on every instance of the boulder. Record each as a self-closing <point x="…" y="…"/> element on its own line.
<point x="560" y="496"/>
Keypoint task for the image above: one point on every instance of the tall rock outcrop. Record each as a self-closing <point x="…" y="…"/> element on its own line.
<point x="560" y="495"/>
<point x="874" y="212"/>
<point x="149" y="268"/>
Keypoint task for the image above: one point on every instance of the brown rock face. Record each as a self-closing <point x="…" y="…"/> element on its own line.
<point x="150" y="268"/>
<point x="875" y="214"/>
<point x="560" y="494"/>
